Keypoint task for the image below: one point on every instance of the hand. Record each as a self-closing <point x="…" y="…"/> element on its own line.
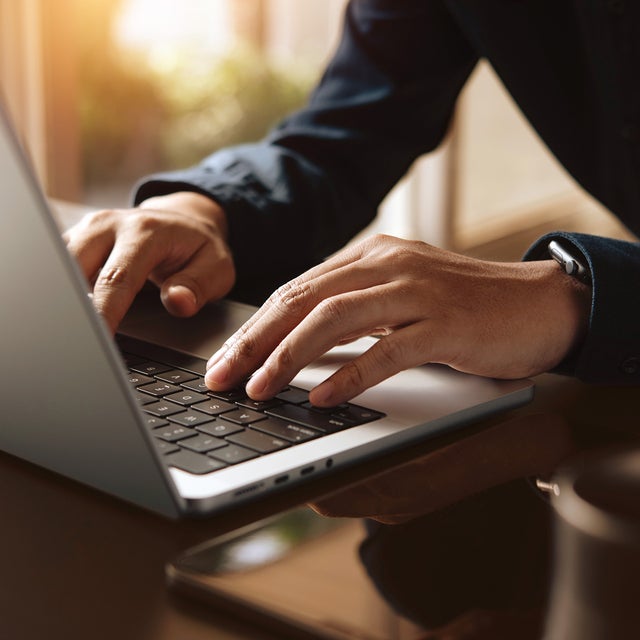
<point x="177" y="241"/>
<point x="518" y="448"/>
<point x="504" y="320"/>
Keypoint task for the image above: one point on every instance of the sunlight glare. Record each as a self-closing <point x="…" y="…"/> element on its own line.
<point x="165" y="30"/>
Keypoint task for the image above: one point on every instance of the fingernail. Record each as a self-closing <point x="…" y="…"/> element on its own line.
<point x="323" y="394"/>
<point x="218" y="373"/>
<point x="180" y="290"/>
<point x="258" y="382"/>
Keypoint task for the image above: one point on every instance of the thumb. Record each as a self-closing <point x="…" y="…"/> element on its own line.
<point x="209" y="276"/>
<point x="179" y="299"/>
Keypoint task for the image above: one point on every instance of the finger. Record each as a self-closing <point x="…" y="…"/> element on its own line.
<point x="208" y="276"/>
<point x="405" y="348"/>
<point x="249" y="347"/>
<point x="295" y="294"/>
<point x="90" y="244"/>
<point x="327" y="325"/>
<point x="121" y="278"/>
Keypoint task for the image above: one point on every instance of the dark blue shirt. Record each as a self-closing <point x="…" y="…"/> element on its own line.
<point x="387" y="97"/>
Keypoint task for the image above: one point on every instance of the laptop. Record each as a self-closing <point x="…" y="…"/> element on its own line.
<point x="130" y="416"/>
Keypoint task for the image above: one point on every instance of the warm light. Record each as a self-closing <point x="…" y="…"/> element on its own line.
<point x="164" y="30"/>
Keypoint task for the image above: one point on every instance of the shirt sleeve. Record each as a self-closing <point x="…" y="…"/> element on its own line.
<point x="610" y="352"/>
<point x="386" y="97"/>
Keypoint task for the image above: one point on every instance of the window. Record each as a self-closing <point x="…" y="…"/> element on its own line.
<point x="179" y="80"/>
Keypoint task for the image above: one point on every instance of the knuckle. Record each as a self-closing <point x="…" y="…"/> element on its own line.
<point x="389" y="353"/>
<point x="396" y="251"/>
<point x="334" y="311"/>
<point x="352" y="376"/>
<point x="381" y="239"/>
<point x="93" y="223"/>
<point x="282" y="358"/>
<point x="375" y="243"/>
<point x="114" y="277"/>
<point x="241" y="346"/>
<point x="292" y="298"/>
<point x="401" y="253"/>
<point x="145" y="222"/>
<point x="99" y="217"/>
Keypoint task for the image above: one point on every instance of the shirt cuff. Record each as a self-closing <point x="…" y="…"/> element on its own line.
<point x="610" y="352"/>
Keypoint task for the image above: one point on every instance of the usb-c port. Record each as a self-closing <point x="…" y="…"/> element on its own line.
<point x="307" y="471"/>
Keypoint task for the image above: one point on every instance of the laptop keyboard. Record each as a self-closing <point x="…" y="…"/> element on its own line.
<point x="201" y="431"/>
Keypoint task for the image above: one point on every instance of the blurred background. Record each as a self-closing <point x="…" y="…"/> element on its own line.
<point x="106" y="91"/>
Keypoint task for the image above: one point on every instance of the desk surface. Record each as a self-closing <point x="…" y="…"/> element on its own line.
<point x="78" y="564"/>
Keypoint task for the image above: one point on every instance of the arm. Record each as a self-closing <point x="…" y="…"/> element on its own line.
<point x="385" y="98"/>
<point x="284" y="204"/>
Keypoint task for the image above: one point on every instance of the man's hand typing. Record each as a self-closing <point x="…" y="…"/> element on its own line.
<point x="503" y="320"/>
<point x="177" y="241"/>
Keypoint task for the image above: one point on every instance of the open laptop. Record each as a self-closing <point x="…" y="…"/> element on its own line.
<point x="70" y="404"/>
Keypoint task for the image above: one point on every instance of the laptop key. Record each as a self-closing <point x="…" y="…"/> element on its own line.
<point x="202" y="443"/>
<point x="153" y="423"/>
<point x="190" y="418"/>
<point x="213" y="407"/>
<point x="138" y="379"/>
<point x="159" y="388"/>
<point x="309" y="418"/>
<point x="196" y="385"/>
<point x="358" y="415"/>
<point x="176" y="376"/>
<point x="293" y="395"/>
<point x="287" y="430"/>
<point x="174" y="433"/>
<point x="186" y="398"/>
<point x="166" y="447"/>
<point x="258" y="405"/>
<point x="242" y="416"/>
<point x="144" y="398"/>
<point x="232" y="454"/>
<point x="351" y="412"/>
<point x="193" y="462"/>
<point x="219" y="428"/>
<point x="231" y="395"/>
<point x="162" y="408"/>
<point x="150" y="368"/>
<point x="260" y="442"/>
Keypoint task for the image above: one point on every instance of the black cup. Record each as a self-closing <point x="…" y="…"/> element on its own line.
<point x="595" y="592"/>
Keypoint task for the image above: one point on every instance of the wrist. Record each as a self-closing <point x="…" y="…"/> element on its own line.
<point x="192" y="203"/>
<point x="571" y="304"/>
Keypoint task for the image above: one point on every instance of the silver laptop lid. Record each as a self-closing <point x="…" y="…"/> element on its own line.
<point x="66" y="405"/>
